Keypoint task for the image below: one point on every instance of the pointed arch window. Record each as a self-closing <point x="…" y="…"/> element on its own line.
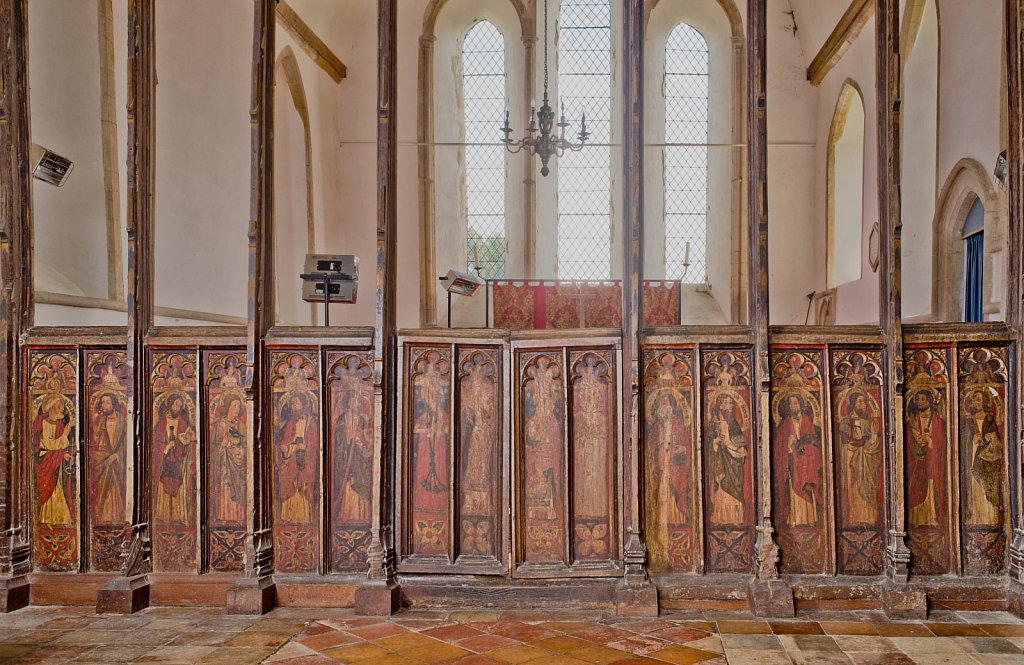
<point x="483" y="103"/>
<point x="584" y="178"/>
<point x="687" y="89"/>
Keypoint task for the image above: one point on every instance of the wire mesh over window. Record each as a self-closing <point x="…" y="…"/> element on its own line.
<point x="686" y="164"/>
<point x="483" y="104"/>
<point x="584" y="178"/>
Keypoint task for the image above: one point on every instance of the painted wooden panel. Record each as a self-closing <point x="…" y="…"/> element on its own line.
<point x="927" y="459"/>
<point x="728" y="462"/>
<point x="859" y="442"/>
<point x="295" y="424"/>
<point x="542" y="514"/>
<point x="52" y="420"/>
<point x="107" y="386"/>
<point x="350" y="390"/>
<point x="593" y="435"/>
<point x="799" y="491"/>
<point x="174" y="387"/>
<point x="479" y="456"/>
<point x="430" y="491"/>
<point x="982" y="448"/>
<point x="227" y="445"/>
<point x="671" y="470"/>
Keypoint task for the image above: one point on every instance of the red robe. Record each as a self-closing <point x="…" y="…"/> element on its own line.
<point x="924" y="464"/>
<point x="802" y="465"/>
<point x="297" y="469"/>
<point x="48" y="461"/>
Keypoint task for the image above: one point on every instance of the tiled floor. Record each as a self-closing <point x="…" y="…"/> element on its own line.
<point x="310" y="637"/>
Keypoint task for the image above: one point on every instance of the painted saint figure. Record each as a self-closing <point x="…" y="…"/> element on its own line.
<point x="591" y="444"/>
<point x="926" y="437"/>
<point x="108" y="441"/>
<point x="227" y="468"/>
<point x="478" y="436"/>
<point x="174" y="441"/>
<point x="295" y="438"/>
<point x="800" y="439"/>
<point x="55" y="458"/>
<point x="981" y="441"/>
<point x="861" y="445"/>
<point x="671" y="439"/>
<point x="353" y="445"/>
<point x="544" y="444"/>
<point x="728" y="460"/>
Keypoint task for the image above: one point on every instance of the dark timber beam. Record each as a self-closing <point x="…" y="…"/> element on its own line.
<point x="636" y="596"/>
<point x="379" y="595"/>
<point x="15" y="296"/>
<point x="769" y="595"/>
<point x="255" y="593"/>
<point x="897" y="599"/>
<point x="843" y="36"/>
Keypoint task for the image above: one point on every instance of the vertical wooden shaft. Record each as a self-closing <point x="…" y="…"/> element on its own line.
<point x="141" y="93"/>
<point x="889" y="90"/>
<point x="632" y="292"/>
<point x="15" y="296"/>
<point x="757" y="202"/>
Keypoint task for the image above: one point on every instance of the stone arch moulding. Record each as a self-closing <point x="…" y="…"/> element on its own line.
<point x="967" y="182"/>
<point x="288" y="65"/>
<point x="849" y="93"/>
<point x="425" y="137"/>
<point x="738" y="199"/>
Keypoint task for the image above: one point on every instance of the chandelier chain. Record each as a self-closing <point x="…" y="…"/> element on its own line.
<point x="545" y="47"/>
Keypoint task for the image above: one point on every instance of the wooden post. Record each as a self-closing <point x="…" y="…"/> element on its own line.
<point x="15" y="296"/>
<point x="898" y="600"/>
<point x="1014" y="10"/>
<point x="769" y="595"/>
<point x="637" y="596"/>
<point x="255" y="593"/>
<point x="379" y="595"/>
<point x="130" y="592"/>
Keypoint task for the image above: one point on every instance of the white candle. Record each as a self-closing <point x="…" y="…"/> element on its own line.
<point x="686" y="254"/>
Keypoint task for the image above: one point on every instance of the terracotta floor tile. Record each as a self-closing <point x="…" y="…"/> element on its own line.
<point x="565" y="626"/>
<point x="257" y="640"/>
<point x="312" y="659"/>
<point x="817" y="643"/>
<point x="394" y="659"/>
<point x="560" y="643"/>
<point x="475" y="659"/>
<point x="453" y="632"/>
<point x="438" y="653"/>
<point x="407" y="642"/>
<point x="323" y="641"/>
<point x="744" y="627"/>
<point x="601" y="634"/>
<point x="681" y="655"/>
<point x="680" y="635"/>
<point x="796" y="628"/>
<point x="598" y="653"/>
<point x="518" y="654"/>
<point x="912" y="646"/>
<point x="15" y="650"/>
<point x="987" y="645"/>
<point x="484" y="643"/>
<point x="638" y="660"/>
<point x="754" y="657"/>
<point x="177" y="655"/>
<point x="880" y="658"/>
<point x="820" y="658"/>
<point x="759" y="642"/>
<point x="201" y="639"/>
<point x="848" y="628"/>
<point x="902" y="630"/>
<point x="955" y="629"/>
<point x="236" y="656"/>
<point x="377" y="631"/>
<point x="639" y="644"/>
<point x="521" y="631"/>
<point x="864" y="643"/>
<point x="1002" y="629"/>
<point x="355" y="653"/>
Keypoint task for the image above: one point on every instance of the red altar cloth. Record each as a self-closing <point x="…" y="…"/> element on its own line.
<point x="559" y="305"/>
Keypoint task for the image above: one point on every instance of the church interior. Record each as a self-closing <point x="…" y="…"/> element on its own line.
<point x="636" y="306"/>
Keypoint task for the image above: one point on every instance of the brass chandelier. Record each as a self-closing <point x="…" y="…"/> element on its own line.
<point x="545" y="144"/>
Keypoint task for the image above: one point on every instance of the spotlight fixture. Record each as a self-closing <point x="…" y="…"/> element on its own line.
<point x="1002" y="170"/>
<point x="50" y="167"/>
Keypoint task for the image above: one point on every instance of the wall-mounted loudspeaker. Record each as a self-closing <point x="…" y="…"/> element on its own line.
<point x="50" y="167"/>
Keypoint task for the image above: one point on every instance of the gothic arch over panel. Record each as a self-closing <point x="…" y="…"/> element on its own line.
<point x="967" y="182"/>
<point x="849" y="96"/>
<point x="432" y="16"/>
<point x="721" y="24"/>
<point x="287" y="71"/>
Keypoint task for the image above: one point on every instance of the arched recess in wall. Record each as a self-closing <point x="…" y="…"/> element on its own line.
<point x="722" y="297"/>
<point x="968" y="182"/>
<point x="293" y="191"/>
<point x="844" y="203"/>
<point x="445" y="22"/>
<point x="919" y="183"/>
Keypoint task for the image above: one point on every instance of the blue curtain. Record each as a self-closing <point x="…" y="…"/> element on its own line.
<point x="974" y="246"/>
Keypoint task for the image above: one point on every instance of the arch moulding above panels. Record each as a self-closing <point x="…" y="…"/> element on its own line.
<point x="968" y="181"/>
<point x="849" y="93"/>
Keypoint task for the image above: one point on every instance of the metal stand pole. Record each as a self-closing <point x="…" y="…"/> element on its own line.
<point x="449" y="309"/>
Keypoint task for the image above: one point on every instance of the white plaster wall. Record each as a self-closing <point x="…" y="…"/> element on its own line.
<point x="796" y="239"/>
<point x="919" y="158"/>
<point x="204" y="68"/>
<point x="64" y="96"/>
